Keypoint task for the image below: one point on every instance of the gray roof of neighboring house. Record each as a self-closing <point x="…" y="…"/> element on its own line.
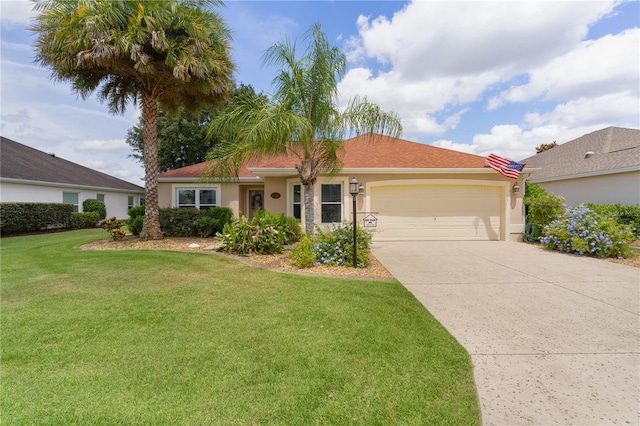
<point x="615" y="150"/>
<point x="20" y="162"/>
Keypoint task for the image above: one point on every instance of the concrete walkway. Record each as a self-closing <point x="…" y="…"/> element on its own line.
<point x="554" y="338"/>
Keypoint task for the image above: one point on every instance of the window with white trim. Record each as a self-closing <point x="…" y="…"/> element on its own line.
<point x="331" y="203"/>
<point x="297" y="201"/>
<point x="71" y="198"/>
<point x="198" y="198"/>
<point x="100" y="197"/>
<point x="130" y="202"/>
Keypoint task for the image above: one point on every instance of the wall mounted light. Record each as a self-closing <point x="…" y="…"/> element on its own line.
<point x="515" y="189"/>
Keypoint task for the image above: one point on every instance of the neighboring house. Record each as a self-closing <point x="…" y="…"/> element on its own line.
<point x="409" y="190"/>
<point x="601" y="167"/>
<point x="29" y="175"/>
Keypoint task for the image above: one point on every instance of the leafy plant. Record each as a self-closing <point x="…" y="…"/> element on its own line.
<point x="626" y="214"/>
<point x="97" y="206"/>
<point x="28" y="217"/>
<point x="302" y="253"/>
<point x="265" y="233"/>
<point x="135" y="224"/>
<point x="582" y="231"/>
<point x="114" y="227"/>
<point x="335" y="246"/>
<point x="544" y="209"/>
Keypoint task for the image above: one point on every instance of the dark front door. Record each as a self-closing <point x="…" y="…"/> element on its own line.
<point x="256" y="201"/>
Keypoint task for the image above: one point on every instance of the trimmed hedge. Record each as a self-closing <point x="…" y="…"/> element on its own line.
<point x="29" y="217"/>
<point x="81" y="220"/>
<point x="176" y="222"/>
<point x="90" y="205"/>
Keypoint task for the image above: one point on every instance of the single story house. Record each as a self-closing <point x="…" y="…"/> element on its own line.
<point x="30" y="175"/>
<point x="408" y="191"/>
<point x="602" y="167"/>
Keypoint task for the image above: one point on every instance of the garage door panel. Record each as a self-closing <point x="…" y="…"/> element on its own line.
<point x="442" y="212"/>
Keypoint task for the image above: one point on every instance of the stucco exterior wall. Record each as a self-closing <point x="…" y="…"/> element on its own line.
<point x="619" y="188"/>
<point x="116" y="202"/>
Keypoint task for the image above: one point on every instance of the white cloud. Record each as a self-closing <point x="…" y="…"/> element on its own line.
<point x="442" y="56"/>
<point x="14" y="13"/>
<point x="594" y="67"/>
<point x="97" y="145"/>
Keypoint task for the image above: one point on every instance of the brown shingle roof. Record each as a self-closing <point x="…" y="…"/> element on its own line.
<point x="377" y="152"/>
<point x="22" y="162"/>
<point x="614" y="149"/>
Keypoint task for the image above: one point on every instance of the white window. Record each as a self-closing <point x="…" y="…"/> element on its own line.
<point x="331" y="203"/>
<point x="198" y="198"/>
<point x="130" y="202"/>
<point x="71" y="198"/>
<point x="100" y="197"/>
<point x="297" y="201"/>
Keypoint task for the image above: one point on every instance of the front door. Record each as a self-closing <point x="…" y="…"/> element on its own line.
<point x="256" y="201"/>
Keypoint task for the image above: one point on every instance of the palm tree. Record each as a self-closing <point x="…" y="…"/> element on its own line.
<point x="301" y="119"/>
<point x="169" y="52"/>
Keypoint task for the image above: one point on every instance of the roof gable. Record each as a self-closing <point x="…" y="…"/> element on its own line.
<point x="22" y="162"/>
<point x="363" y="152"/>
<point x="613" y="148"/>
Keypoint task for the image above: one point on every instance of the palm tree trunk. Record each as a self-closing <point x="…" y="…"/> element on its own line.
<point x="308" y="209"/>
<point x="151" y="225"/>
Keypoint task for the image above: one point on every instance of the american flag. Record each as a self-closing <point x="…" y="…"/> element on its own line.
<point x="504" y="166"/>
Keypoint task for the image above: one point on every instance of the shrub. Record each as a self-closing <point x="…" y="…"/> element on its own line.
<point x="625" y="214"/>
<point x="81" y="220"/>
<point x="136" y="212"/>
<point x="114" y="227"/>
<point x="97" y="206"/>
<point x="544" y="209"/>
<point x="176" y="222"/>
<point x="28" y="217"/>
<point x="302" y="253"/>
<point x="264" y="234"/>
<point x="335" y="247"/>
<point x="213" y="220"/>
<point x="134" y="225"/>
<point x="582" y="231"/>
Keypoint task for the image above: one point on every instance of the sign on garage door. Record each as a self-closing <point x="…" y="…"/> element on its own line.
<point x="437" y="212"/>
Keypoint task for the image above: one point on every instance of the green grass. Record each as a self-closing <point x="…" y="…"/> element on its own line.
<point x="159" y="337"/>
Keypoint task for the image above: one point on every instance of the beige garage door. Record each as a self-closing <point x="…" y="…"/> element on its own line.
<point x="437" y="212"/>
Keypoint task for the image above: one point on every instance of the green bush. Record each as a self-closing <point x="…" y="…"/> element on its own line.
<point x="583" y="231"/>
<point x="29" y="217"/>
<point x="136" y="212"/>
<point x="544" y="209"/>
<point x="176" y="222"/>
<point x="624" y="214"/>
<point x="302" y="253"/>
<point x="80" y="220"/>
<point x="264" y="234"/>
<point x="191" y="222"/>
<point x="134" y="225"/>
<point x="97" y="206"/>
<point x="335" y="246"/>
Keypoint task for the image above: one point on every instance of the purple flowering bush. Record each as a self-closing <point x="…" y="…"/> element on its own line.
<point x="334" y="247"/>
<point x="582" y="231"/>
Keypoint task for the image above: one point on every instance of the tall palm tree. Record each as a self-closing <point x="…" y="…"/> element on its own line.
<point x="302" y="118"/>
<point x="169" y="52"/>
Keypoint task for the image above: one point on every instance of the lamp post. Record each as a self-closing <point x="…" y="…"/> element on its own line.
<point x="353" y="190"/>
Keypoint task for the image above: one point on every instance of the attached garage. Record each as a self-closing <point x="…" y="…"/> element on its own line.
<point x="424" y="210"/>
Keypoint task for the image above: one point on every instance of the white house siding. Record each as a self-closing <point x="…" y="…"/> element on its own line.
<point x="619" y="188"/>
<point x="116" y="202"/>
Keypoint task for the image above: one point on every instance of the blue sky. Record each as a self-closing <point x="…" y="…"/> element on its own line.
<point x="478" y="77"/>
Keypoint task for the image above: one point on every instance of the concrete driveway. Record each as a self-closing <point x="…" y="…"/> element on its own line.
<point x="554" y="338"/>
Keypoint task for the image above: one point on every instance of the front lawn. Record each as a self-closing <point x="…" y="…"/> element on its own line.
<point x="160" y="337"/>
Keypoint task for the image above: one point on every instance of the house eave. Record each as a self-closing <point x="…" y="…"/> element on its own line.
<point x="379" y="170"/>
<point x="588" y="174"/>
<point x="71" y="186"/>
<point x="210" y="180"/>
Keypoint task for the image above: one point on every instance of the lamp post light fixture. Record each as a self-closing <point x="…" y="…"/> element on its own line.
<point x="354" y="190"/>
